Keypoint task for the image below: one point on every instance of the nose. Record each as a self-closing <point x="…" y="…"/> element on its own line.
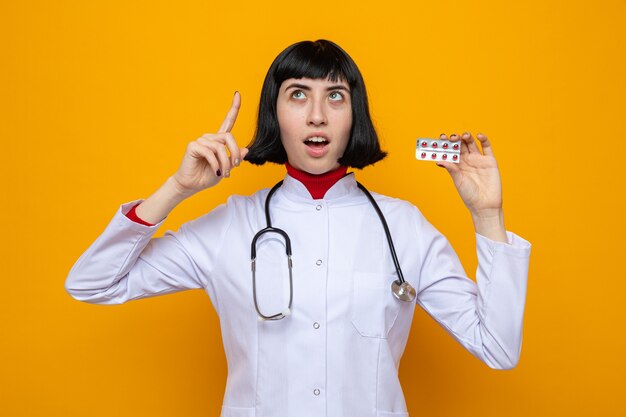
<point x="317" y="114"/>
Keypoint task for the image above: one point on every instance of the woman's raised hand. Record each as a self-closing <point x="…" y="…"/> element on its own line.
<point x="477" y="179"/>
<point x="476" y="176"/>
<point x="206" y="160"/>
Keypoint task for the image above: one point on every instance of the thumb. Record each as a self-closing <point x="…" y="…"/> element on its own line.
<point x="449" y="166"/>
<point x="243" y="152"/>
<point x="452" y="168"/>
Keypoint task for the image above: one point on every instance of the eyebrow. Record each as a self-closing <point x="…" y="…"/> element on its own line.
<point x="307" y="88"/>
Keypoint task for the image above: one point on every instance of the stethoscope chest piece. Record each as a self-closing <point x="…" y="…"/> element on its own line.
<point x="403" y="291"/>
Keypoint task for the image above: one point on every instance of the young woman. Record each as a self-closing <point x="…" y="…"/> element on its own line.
<point x="335" y="314"/>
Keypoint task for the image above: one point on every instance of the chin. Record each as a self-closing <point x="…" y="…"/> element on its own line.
<point x="318" y="169"/>
<point x="312" y="165"/>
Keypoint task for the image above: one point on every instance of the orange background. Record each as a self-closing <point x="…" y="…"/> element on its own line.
<point x="98" y="102"/>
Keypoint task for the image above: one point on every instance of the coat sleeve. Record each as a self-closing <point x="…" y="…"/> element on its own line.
<point x="486" y="317"/>
<point x="126" y="263"/>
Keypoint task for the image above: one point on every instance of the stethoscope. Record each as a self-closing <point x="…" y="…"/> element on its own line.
<point x="401" y="289"/>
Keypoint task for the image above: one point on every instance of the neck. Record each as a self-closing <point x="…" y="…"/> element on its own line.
<point x="317" y="185"/>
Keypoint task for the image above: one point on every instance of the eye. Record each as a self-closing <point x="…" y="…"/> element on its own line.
<point x="298" y="94"/>
<point x="335" y="96"/>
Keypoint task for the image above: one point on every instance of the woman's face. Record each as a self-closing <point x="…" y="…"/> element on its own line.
<point x="315" y="119"/>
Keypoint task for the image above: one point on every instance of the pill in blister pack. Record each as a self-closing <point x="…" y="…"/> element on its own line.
<point x="438" y="150"/>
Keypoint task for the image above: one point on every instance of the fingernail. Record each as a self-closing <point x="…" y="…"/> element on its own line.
<point x="453" y="135"/>
<point x="227" y="174"/>
<point x="218" y="173"/>
<point x="236" y="162"/>
<point x="236" y="91"/>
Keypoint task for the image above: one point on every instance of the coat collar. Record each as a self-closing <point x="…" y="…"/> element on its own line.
<point x="346" y="187"/>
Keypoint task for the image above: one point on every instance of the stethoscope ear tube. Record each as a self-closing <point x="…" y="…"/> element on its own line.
<point x="270" y="229"/>
<point x="286" y="312"/>
<point x="401" y="289"/>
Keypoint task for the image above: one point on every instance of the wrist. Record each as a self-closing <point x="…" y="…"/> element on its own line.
<point x="490" y="214"/>
<point x="158" y="206"/>
<point x="490" y="223"/>
<point x="177" y="191"/>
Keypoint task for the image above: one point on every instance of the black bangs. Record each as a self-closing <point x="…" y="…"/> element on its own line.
<point x="317" y="60"/>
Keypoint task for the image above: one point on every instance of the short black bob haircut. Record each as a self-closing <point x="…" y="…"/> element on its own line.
<point x="320" y="59"/>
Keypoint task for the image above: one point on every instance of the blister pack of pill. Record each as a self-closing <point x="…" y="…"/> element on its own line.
<point x="438" y="150"/>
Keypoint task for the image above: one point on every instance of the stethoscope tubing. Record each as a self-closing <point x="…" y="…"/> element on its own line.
<point x="400" y="288"/>
<point x="387" y="232"/>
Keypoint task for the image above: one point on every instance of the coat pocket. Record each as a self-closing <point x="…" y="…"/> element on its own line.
<point x="374" y="308"/>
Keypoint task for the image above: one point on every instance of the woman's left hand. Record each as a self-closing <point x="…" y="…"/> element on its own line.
<point x="476" y="176"/>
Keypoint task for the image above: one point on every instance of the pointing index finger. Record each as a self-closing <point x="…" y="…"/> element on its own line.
<point x="231" y="117"/>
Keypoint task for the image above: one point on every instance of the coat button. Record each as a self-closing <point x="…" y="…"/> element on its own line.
<point x="318" y="262"/>
<point x="316" y="325"/>
<point x="316" y="391"/>
<point x="318" y="207"/>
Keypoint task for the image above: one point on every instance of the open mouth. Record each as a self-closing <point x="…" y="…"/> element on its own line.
<point x="316" y="142"/>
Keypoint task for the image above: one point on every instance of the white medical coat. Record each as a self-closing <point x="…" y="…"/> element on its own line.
<point x="338" y="353"/>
